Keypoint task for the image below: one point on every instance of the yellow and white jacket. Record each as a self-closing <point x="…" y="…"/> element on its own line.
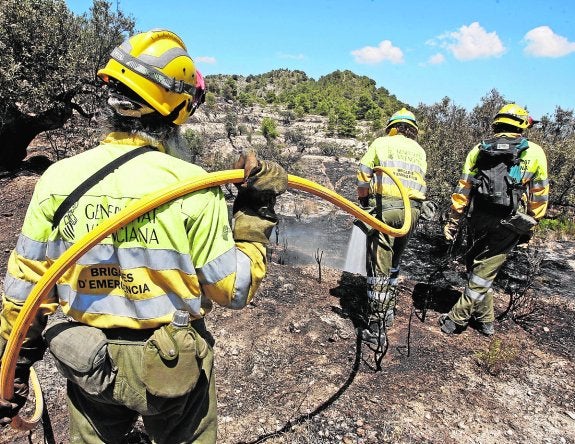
<point x="404" y="157"/>
<point x="179" y="256"/>
<point x="533" y="164"/>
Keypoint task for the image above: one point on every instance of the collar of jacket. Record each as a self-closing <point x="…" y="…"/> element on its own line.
<point x="123" y="138"/>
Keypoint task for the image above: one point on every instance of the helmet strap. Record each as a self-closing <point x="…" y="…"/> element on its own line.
<point x="175" y="112"/>
<point x="126" y="107"/>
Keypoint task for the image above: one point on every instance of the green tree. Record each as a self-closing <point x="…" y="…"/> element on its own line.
<point x="271" y="97"/>
<point x="269" y="129"/>
<point x="195" y="143"/>
<point x="446" y="136"/>
<point x="556" y="134"/>
<point x="375" y="116"/>
<point x="231" y="124"/>
<point x="230" y="89"/>
<point x="211" y="102"/>
<point x="332" y="123"/>
<point x="484" y="112"/>
<point x="346" y="121"/>
<point x="246" y="99"/>
<point x="364" y="105"/>
<point x="48" y="67"/>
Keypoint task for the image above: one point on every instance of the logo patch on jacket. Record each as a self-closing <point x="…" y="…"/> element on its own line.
<point x="69" y="221"/>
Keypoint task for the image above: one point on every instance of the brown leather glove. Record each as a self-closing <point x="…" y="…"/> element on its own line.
<point x="262" y="176"/>
<point x="248" y="162"/>
<point x="30" y="352"/>
<point x="251" y="227"/>
<point x="254" y="215"/>
<point x="450" y="230"/>
<point x="452" y="227"/>
<point x="10" y="408"/>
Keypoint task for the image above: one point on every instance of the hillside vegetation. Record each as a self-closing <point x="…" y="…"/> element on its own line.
<point x="282" y="114"/>
<point x="353" y="112"/>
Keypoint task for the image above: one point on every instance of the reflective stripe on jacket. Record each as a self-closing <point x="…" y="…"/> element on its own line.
<point x="533" y="175"/>
<point x="179" y="255"/>
<point x="404" y="157"/>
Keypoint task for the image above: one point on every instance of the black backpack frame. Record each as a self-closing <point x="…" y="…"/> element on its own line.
<point x="497" y="185"/>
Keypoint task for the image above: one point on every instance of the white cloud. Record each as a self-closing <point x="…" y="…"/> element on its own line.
<point x="206" y="59"/>
<point x="384" y="51"/>
<point x="436" y="59"/>
<point x="543" y="42"/>
<point x="473" y="42"/>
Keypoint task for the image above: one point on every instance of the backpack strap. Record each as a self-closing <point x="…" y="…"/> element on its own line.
<point x="87" y="184"/>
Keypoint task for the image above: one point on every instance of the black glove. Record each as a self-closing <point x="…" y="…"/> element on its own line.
<point x="524" y="239"/>
<point x="364" y="201"/>
<point x="10" y="408"/>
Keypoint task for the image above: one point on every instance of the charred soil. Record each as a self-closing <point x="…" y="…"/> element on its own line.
<point x="290" y="367"/>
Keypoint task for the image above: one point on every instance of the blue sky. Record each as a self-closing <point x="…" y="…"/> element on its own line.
<point x="419" y="50"/>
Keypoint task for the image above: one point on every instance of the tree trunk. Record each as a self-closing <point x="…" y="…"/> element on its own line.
<point x="20" y="129"/>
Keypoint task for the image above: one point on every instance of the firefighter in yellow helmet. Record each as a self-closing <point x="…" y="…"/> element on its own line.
<point x="134" y="343"/>
<point x="503" y="192"/>
<point x="400" y="153"/>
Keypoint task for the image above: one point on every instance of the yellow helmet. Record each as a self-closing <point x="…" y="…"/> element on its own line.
<point x="514" y="115"/>
<point x="156" y="66"/>
<point x="403" y="115"/>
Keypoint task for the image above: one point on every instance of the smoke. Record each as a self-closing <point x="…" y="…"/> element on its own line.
<point x="303" y="238"/>
<point x="356" y="252"/>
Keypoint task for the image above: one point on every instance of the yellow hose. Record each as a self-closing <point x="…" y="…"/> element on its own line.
<point x="349" y="207"/>
<point x="128" y="214"/>
<point x="20" y="423"/>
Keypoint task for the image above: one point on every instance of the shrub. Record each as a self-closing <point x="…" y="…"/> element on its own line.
<point x="496" y="356"/>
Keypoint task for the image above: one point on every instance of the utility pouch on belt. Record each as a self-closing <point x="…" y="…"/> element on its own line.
<point x="81" y="355"/>
<point x="172" y="361"/>
<point x="519" y="223"/>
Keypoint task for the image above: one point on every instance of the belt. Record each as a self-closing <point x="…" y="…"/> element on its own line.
<point x="130" y="334"/>
<point x="387" y="202"/>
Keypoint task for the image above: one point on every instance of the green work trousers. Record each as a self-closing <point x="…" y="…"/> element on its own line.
<point x="109" y="416"/>
<point x="384" y="253"/>
<point x="490" y="243"/>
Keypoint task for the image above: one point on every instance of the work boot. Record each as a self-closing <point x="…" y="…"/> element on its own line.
<point x="486" y="328"/>
<point x="389" y="318"/>
<point x="448" y="326"/>
<point x="375" y="333"/>
<point x="382" y="310"/>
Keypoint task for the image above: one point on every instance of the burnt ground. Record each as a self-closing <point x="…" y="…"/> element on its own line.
<point x="291" y="370"/>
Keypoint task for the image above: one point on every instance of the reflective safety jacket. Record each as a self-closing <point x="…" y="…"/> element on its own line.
<point x="404" y="157"/>
<point x="180" y="255"/>
<point x="533" y="165"/>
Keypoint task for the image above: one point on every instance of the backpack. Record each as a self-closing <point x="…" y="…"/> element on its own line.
<point x="497" y="185"/>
